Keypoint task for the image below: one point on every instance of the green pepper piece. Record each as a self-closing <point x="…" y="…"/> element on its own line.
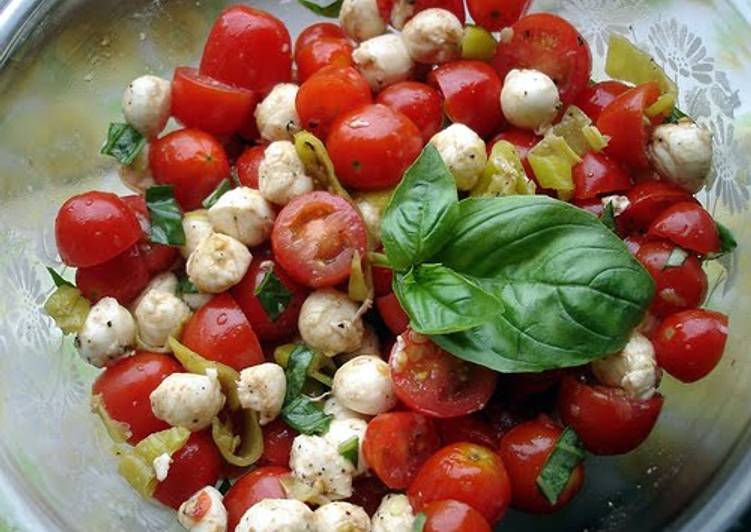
<point x="317" y="162"/>
<point x="137" y="464"/>
<point x="67" y="306"/>
<point x="504" y="174"/>
<point x="238" y="437"/>
<point x="478" y="43"/>
<point x="551" y="160"/>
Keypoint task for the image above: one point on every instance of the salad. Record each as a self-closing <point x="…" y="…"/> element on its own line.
<point x="401" y="276"/>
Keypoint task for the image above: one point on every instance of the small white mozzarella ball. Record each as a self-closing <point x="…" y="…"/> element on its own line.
<point x="317" y="463"/>
<point x="203" y="512"/>
<point x="634" y="369"/>
<point x="262" y="388"/>
<point x="341" y="517"/>
<point x="164" y="282"/>
<point x="383" y="61"/>
<point x="146" y="104"/>
<point x="276" y="115"/>
<point x="108" y="333"/>
<point x="682" y="154"/>
<point x="159" y="315"/>
<point x="332" y="407"/>
<point x="401" y="12"/>
<point x="433" y="36"/>
<point x="244" y="214"/>
<point x="370" y="346"/>
<point x="161" y="465"/>
<point x="196" y="301"/>
<point x="361" y="19"/>
<point x="394" y="514"/>
<point x="281" y="174"/>
<point x="529" y="99"/>
<point x="364" y="385"/>
<point x="464" y="153"/>
<point x="137" y="175"/>
<point x="619" y="203"/>
<point x="277" y="515"/>
<point x="188" y="400"/>
<point x="372" y="215"/>
<point x="218" y="263"/>
<point x="329" y="322"/>
<point x="343" y="430"/>
<point x="197" y="227"/>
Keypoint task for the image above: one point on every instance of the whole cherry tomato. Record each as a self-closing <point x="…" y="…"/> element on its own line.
<point x="597" y="96"/>
<point x="386" y="9"/>
<point x="157" y="257"/>
<point x="392" y="313"/>
<point x="689" y="225"/>
<point x="453" y="516"/>
<point x="418" y="102"/>
<point x="494" y="15"/>
<point x="472" y="429"/>
<point x="382" y="279"/>
<point x="122" y="277"/>
<point x="317" y="31"/>
<point x="647" y="200"/>
<point x="598" y="174"/>
<point x="253" y="487"/>
<point x="277" y="443"/>
<point x="322" y="52"/>
<point x="247" y="166"/>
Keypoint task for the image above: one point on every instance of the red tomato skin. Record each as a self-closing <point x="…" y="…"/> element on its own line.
<point x="453" y="516"/>
<point x="372" y="146"/>
<point x="649" y="199"/>
<point x="418" y="102"/>
<point x="524" y="451"/>
<point x="382" y="280"/>
<point x="465" y="472"/>
<point x="471" y="429"/>
<point x="248" y="48"/>
<point x="196" y="465"/>
<point x="392" y="313"/>
<point x="455" y="6"/>
<point x="253" y="487"/>
<point x="523" y="140"/>
<point x="494" y="15"/>
<point x="220" y="331"/>
<point x="247" y="166"/>
<point x="607" y="421"/>
<point x="191" y="160"/>
<point x="689" y="344"/>
<point x="321" y="53"/>
<point x="471" y="92"/>
<point x="123" y="277"/>
<point x="689" y="225"/>
<point x="94" y="227"/>
<point x="317" y="31"/>
<point x="598" y="174"/>
<point x="597" y="96"/>
<point x="277" y="443"/>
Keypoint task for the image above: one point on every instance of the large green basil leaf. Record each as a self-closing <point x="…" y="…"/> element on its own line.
<point x="421" y="212"/>
<point x="571" y="291"/>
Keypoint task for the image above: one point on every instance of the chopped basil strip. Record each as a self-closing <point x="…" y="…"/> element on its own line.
<point x="305" y="416"/>
<point x="418" y="525"/>
<point x="608" y="217"/>
<point x="297" y="371"/>
<point x="124" y="143"/>
<point x="186" y="286"/>
<point x="675" y="116"/>
<point x="273" y="295"/>
<point x="349" y="449"/>
<point x="58" y="279"/>
<point x="224" y="486"/>
<point x="728" y="243"/>
<point x="219" y="191"/>
<point x="328" y="10"/>
<point x="555" y="474"/>
<point x="676" y="258"/>
<point x="166" y="216"/>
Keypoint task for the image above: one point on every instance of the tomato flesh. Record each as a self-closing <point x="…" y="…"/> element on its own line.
<point x="597" y="96"/>
<point x="649" y="199"/>
<point x="253" y="487"/>
<point x="418" y="102"/>
<point x="598" y="174"/>
<point x="453" y="516"/>
<point x="123" y="277"/>
<point x="689" y="225"/>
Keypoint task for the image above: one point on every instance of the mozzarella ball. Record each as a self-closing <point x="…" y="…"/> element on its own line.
<point x="262" y="388"/>
<point x="196" y="301"/>
<point x="634" y="369"/>
<point x="619" y="203"/>
<point x="196" y="226"/>
<point x="276" y="115"/>
<point x="394" y="514"/>
<point x="203" y="512"/>
<point x="401" y="12"/>
<point x="343" y="430"/>
<point x="364" y="385"/>
<point x="341" y="517"/>
<point x="277" y="515"/>
<point x="108" y="333"/>
<point x="372" y="215"/>
<point x="146" y="104"/>
<point x="188" y="400"/>
<point x="433" y="36"/>
<point x="161" y="465"/>
<point x="361" y="19"/>
<point x="332" y="407"/>
<point x="529" y="99"/>
<point x="317" y="463"/>
<point x="159" y="315"/>
<point x="370" y="346"/>
<point x="464" y="153"/>
<point x="218" y="263"/>
<point x="244" y="214"/>
<point x="329" y="322"/>
<point x="383" y="61"/>
<point x="682" y="154"/>
<point x="281" y="174"/>
<point x="137" y="175"/>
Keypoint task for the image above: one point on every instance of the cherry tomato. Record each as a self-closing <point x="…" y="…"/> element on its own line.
<point x="277" y="443"/>
<point x="93" y="227"/>
<point x="367" y="492"/>
<point x="157" y="257"/>
<point x="519" y="387"/>
<point x="315" y="237"/>
<point x="623" y="121"/>
<point x="634" y="243"/>
<point x="392" y="313"/>
<point x="550" y="44"/>
<point x="434" y="382"/>
<point x="598" y="174"/>
<point x="494" y="15"/>
<point x="247" y="166"/>
<point x="465" y="472"/>
<point x="253" y="487"/>
<point x="397" y="444"/>
<point x="196" y="465"/>
<point x="678" y="287"/>
<point x="689" y="225"/>
<point x="473" y="429"/>
<point x="649" y="199"/>
<point x="249" y="48"/>
<point x="220" y="331"/>
<point x="455" y="6"/>
<point x="320" y="53"/>
<point x="382" y="279"/>
<point x="523" y="140"/>
<point x="372" y="146"/>
<point x="597" y="96"/>
<point x="191" y="160"/>
<point x="123" y="277"/>
<point x="317" y="31"/>
<point x="453" y="516"/>
<point x="689" y="344"/>
<point x="418" y="102"/>
<point x="524" y="450"/>
<point x="593" y="206"/>
<point x="329" y="93"/>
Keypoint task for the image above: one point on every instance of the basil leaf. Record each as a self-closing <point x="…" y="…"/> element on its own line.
<point x="306" y="417"/>
<point x="166" y="216"/>
<point x="418" y="525"/>
<point x="572" y="292"/>
<point x="224" y="486"/>
<point x="675" y="116"/>
<point x="223" y="187"/>
<point x="728" y="243"/>
<point x="273" y="295"/>
<point x="329" y="10"/>
<point x="421" y="212"/>
<point x="297" y="371"/>
<point x="58" y="279"/>
<point x="124" y="143"/>
<point x="186" y="286"/>
<point x="555" y="474"/>
<point x="608" y="217"/>
<point x="676" y="258"/>
<point x="350" y="449"/>
<point x="440" y="301"/>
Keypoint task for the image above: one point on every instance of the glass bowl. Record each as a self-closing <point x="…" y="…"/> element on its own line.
<point x="63" y="66"/>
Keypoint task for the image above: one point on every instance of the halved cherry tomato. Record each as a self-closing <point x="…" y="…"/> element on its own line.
<point x="249" y="48"/>
<point x="317" y="31"/>
<point x="597" y="96"/>
<point x="523" y="140"/>
<point x="550" y="44"/>
<point x="196" y="465"/>
<point x="418" y="102"/>
<point x="624" y="122"/>
<point x="397" y="444"/>
<point x="157" y="257"/>
<point x="247" y="166"/>
<point x="434" y="382"/>
<point x="367" y="492"/>
<point x="689" y="344"/>
<point x="689" y="225"/>
<point x="472" y="429"/>
<point x="253" y="487"/>
<point x="453" y="516"/>
<point x="277" y="443"/>
<point x="392" y="313"/>
<point x="93" y="227"/>
<point x="382" y="279"/>
<point x="518" y="387"/>
<point x="598" y="174"/>
<point x="524" y="450"/>
<point x="191" y="160"/>
<point x="372" y="146"/>
<point x="220" y="331"/>
<point x="320" y="53"/>
<point x="465" y="472"/>
<point x="455" y="6"/>
<point x="472" y="92"/>
<point x="647" y="200"/>
<point x="123" y="277"/>
<point x="327" y="94"/>
<point x="494" y="15"/>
